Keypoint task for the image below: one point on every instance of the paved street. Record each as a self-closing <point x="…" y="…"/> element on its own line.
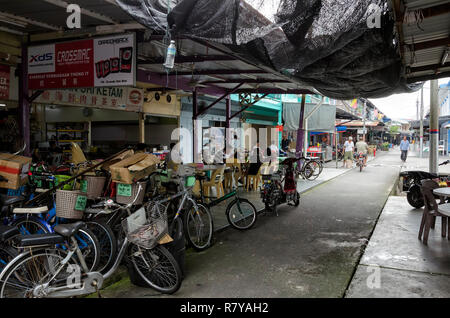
<point x="309" y="251"/>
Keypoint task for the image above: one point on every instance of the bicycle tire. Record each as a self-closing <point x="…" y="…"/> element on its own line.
<point x="187" y="222"/>
<point x="92" y="258"/>
<point x="308" y="171"/>
<point x="7" y="279"/>
<point x="107" y="241"/>
<point x="7" y="253"/>
<point x="231" y="218"/>
<point x="24" y="222"/>
<point x="154" y="279"/>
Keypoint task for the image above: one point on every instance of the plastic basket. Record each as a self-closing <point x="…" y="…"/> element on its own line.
<point x="70" y="204"/>
<point x="146" y="227"/>
<point x="93" y="186"/>
<point x="127" y="198"/>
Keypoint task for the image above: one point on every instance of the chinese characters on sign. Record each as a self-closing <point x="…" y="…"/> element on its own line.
<point x="118" y="98"/>
<point x="99" y="62"/>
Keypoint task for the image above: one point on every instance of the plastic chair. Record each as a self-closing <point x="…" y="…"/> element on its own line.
<point x="430" y="212"/>
<point x="254" y="180"/>
<point x="216" y="182"/>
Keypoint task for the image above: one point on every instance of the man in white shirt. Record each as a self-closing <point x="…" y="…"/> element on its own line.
<point x="349" y="146"/>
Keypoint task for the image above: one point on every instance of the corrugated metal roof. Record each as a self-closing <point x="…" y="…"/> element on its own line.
<point x="425" y="34"/>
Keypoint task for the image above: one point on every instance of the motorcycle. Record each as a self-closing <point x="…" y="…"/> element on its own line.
<point x="280" y="187"/>
<point x="411" y="183"/>
<point x="359" y="158"/>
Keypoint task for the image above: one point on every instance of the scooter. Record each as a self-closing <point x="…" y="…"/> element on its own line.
<point x="411" y="182"/>
<point x="278" y="188"/>
<point x="359" y="158"/>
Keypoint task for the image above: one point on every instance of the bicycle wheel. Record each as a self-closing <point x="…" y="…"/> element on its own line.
<point x="156" y="267"/>
<point x="241" y="214"/>
<point x="311" y="170"/>
<point x="34" y="268"/>
<point x="198" y="227"/>
<point x="7" y="253"/>
<point x="31" y="225"/>
<point x="107" y="243"/>
<point x="90" y="247"/>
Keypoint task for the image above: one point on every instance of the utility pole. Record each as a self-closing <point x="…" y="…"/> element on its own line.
<point x="421" y="123"/>
<point x="364" y="119"/>
<point x="434" y="127"/>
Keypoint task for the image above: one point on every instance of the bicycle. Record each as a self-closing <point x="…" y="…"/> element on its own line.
<point x="241" y="213"/>
<point x="308" y="168"/>
<point x="42" y="270"/>
<point x="196" y="217"/>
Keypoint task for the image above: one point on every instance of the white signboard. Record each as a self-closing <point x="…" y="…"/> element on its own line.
<point x="118" y="98"/>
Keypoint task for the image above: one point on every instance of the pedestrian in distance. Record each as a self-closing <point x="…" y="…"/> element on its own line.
<point x="349" y="147"/>
<point x="404" y="148"/>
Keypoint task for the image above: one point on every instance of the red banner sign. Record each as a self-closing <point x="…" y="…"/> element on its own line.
<point x="99" y="62"/>
<point x="4" y="81"/>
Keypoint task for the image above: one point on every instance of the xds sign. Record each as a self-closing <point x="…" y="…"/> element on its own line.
<point x="41" y="58"/>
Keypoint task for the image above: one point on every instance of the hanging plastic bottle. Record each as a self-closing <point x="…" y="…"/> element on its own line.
<point x="170" y="56"/>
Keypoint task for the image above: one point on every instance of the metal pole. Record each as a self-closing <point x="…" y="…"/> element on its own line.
<point x="24" y="105"/>
<point x="421" y="124"/>
<point x="300" y="131"/>
<point x="364" y="120"/>
<point x="434" y="127"/>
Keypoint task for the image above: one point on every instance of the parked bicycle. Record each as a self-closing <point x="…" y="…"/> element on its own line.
<point x="241" y="213"/>
<point x="43" y="270"/>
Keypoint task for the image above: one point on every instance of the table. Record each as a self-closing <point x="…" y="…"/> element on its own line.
<point x="442" y="192"/>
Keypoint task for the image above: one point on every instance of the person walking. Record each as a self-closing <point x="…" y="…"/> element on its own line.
<point x="349" y="146"/>
<point x="404" y="147"/>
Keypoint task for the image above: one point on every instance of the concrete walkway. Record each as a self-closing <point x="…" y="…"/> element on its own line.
<point x="396" y="263"/>
<point x="309" y="251"/>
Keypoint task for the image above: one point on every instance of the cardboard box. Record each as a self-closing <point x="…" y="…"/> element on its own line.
<point x="133" y="168"/>
<point x="14" y="169"/>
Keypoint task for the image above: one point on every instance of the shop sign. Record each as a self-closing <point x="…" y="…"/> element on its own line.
<point x="118" y="98"/>
<point x="98" y="62"/>
<point x="4" y="81"/>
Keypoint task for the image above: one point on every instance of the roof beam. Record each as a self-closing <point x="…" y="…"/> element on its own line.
<point x="434" y="11"/>
<point x="204" y="109"/>
<point x="248" y="81"/>
<point x="218" y="72"/>
<point x="434" y="67"/>
<point x="89" y="13"/>
<point x="427" y="77"/>
<point x="429" y="44"/>
<point x="262" y="90"/>
<point x="29" y="21"/>
<point x="189" y="59"/>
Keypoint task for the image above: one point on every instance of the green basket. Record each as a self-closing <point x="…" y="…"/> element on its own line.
<point x="62" y="178"/>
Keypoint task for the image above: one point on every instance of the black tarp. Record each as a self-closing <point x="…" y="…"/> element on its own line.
<point x="326" y="44"/>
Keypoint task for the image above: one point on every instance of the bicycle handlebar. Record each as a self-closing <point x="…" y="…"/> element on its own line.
<point x="444" y="163"/>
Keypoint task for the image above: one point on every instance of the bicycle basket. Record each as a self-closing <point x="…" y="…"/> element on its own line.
<point x="145" y="228"/>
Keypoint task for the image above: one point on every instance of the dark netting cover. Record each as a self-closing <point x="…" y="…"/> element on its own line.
<point x="326" y="44"/>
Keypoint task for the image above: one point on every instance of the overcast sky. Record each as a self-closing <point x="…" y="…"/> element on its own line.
<point x="403" y="106"/>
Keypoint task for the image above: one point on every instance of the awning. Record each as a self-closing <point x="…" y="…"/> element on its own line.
<point x="322" y="120"/>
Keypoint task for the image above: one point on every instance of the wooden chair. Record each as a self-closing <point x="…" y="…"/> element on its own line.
<point x="431" y="211"/>
<point x="254" y="180"/>
<point x="228" y="177"/>
<point x="216" y="181"/>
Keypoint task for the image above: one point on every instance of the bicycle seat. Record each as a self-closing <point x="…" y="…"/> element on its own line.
<point x="39" y="239"/>
<point x="39" y="210"/>
<point x="68" y="230"/>
<point x="6" y="232"/>
<point x="11" y="201"/>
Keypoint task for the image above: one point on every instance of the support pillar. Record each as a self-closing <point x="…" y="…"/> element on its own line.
<point x="300" y="131"/>
<point x="434" y="127"/>
<point x="142" y="128"/>
<point x="24" y="105"/>
<point x="421" y="124"/>
<point x="228" y="136"/>
<point x="195" y="145"/>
